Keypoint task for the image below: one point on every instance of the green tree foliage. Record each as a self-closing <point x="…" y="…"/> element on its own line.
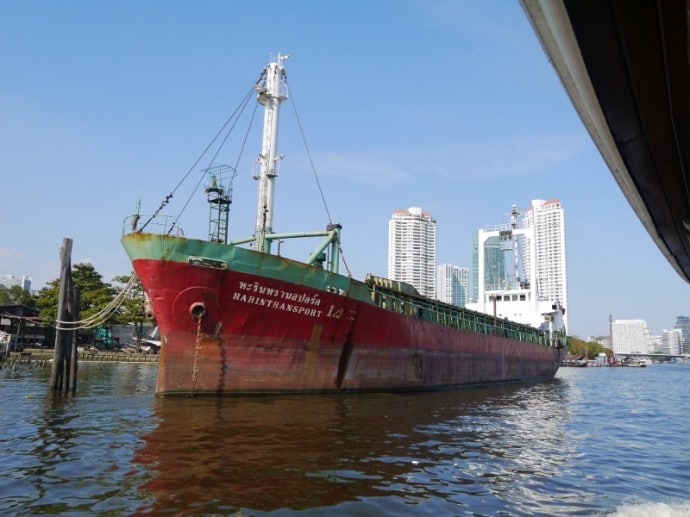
<point x="15" y="295"/>
<point x="588" y="349"/>
<point x="94" y="293"/>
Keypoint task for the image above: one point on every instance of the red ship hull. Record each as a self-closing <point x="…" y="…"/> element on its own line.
<point x="227" y="331"/>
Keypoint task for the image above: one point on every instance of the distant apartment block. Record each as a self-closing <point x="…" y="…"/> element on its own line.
<point x="671" y="342"/>
<point x="494" y="265"/>
<point x="654" y="344"/>
<point x="412" y="249"/>
<point x="548" y="267"/>
<point x="629" y="337"/>
<point x="452" y="284"/>
<point x="683" y="323"/>
<point x="22" y="281"/>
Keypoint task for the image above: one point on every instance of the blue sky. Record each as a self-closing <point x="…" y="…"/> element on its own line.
<point x="447" y="105"/>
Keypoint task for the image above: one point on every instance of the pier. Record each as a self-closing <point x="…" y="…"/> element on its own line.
<point x="44" y="357"/>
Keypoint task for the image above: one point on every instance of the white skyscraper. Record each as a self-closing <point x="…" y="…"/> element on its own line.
<point x="452" y="284"/>
<point x="671" y="341"/>
<point x="412" y="249"/>
<point x="629" y="337"/>
<point x="548" y="266"/>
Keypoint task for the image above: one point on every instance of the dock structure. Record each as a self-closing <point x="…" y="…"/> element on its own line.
<point x="44" y="357"/>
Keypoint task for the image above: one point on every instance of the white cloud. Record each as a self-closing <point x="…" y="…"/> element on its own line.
<point x="490" y="160"/>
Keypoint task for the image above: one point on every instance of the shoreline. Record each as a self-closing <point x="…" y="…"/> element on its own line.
<point x="45" y="355"/>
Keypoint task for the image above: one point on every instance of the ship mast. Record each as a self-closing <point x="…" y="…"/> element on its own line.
<point x="269" y="94"/>
<point x="514" y="212"/>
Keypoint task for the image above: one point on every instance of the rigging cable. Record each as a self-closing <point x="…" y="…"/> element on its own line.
<point x="167" y="198"/>
<point x="246" y="136"/>
<point x="236" y="116"/>
<point x="316" y="176"/>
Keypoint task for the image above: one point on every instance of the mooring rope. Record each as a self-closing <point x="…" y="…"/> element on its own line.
<point x="100" y="317"/>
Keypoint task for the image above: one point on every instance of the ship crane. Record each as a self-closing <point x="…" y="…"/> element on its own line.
<point x="219" y="198"/>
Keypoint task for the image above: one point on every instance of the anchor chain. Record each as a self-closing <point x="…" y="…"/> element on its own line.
<point x="197" y="349"/>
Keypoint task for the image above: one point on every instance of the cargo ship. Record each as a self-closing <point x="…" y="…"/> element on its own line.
<point x="237" y="317"/>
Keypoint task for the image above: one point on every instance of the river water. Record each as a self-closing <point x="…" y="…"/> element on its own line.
<point x="594" y="441"/>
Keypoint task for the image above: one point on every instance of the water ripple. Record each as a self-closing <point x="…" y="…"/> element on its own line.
<point x="592" y="442"/>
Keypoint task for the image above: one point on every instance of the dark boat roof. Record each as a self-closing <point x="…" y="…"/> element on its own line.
<point x="625" y="67"/>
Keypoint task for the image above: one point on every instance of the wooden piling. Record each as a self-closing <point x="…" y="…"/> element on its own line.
<point x="72" y="362"/>
<point x="64" y="372"/>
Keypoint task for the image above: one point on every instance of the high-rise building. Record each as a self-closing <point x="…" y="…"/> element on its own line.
<point x="671" y="341"/>
<point x="654" y="343"/>
<point x="548" y="267"/>
<point x="494" y="266"/>
<point x="683" y="323"/>
<point x="629" y="337"/>
<point x="452" y="284"/>
<point x="412" y="249"/>
<point x="22" y="281"/>
<point x="516" y="267"/>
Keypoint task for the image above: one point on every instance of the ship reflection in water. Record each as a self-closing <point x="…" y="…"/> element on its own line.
<point x="417" y="452"/>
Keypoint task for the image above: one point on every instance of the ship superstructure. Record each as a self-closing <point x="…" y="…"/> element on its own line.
<point x="514" y="295"/>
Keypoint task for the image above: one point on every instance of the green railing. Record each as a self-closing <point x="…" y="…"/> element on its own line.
<point x="454" y="317"/>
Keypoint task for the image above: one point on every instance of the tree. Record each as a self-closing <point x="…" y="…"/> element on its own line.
<point x="94" y="294"/>
<point x="588" y="349"/>
<point x="16" y="295"/>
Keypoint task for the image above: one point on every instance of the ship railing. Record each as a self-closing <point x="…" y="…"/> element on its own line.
<point x="326" y="254"/>
<point x="162" y="224"/>
<point x="457" y="317"/>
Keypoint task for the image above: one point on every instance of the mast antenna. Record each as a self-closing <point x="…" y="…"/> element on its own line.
<point x="271" y="92"/>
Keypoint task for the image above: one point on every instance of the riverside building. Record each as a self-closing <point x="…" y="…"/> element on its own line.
<point x="629" y="337"/>
<point x="412" y="249"/>
<point x="683" y="323"/>
<point x="452" y="284"/>
<point x="545" y="262"/>
<point x="494" y="265"/>
<point x="671" y="341"/>
<point x="22" y="281"/>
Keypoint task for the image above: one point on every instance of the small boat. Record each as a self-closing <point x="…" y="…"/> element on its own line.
<point x="235" y="316"/>
<point x="577" y="361"/>
<point x="634" y="362"/>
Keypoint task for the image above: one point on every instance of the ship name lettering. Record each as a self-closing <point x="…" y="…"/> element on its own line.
<point x="276" y="304"/>
<point x="258" y="288"/>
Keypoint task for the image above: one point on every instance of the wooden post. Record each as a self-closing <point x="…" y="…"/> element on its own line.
<point x="57" y="380"/>
<point x="72" y="361"/>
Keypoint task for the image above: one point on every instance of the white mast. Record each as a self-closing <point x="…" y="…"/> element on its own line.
<point x="270" y="96"/>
